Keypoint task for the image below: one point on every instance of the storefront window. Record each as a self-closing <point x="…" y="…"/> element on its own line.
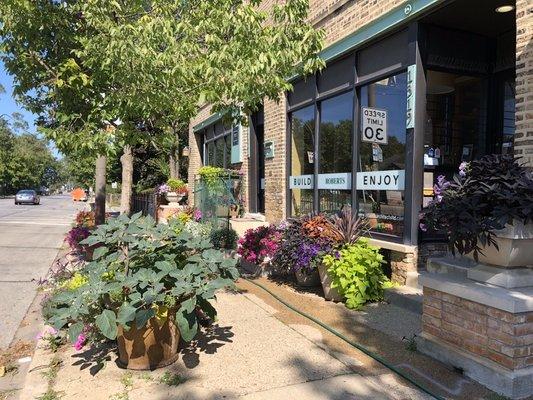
<point x="302" y="160"/>
<point x="508" y="116"/>
<point x="381" y="176"/>
<point x="335" y="149"/>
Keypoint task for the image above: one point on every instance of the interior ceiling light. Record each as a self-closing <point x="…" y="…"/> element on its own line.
<point x="505" y="9"/>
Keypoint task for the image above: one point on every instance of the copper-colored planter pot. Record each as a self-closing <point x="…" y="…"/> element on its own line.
<point x="154" y="346"/>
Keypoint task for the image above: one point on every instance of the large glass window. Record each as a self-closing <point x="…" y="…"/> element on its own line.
<point x="302" y="160"/>
<point x="381" y="176"/>
<point x="335" y="149"/>
<point x="217" y="146"/>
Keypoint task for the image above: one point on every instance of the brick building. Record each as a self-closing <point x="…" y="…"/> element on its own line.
<point x="411" y="89"/>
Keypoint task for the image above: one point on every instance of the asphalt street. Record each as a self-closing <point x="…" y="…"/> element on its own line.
<point x="30" y="237"/>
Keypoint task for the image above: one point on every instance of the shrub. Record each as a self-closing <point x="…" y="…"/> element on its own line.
<point x="483" y="197"/>
<point x="85" y="219"/>
<point x="356" y="272"/>
<point x="224" y="238"/>
<point x="76" y="235"/>
<point x="259" y="245"/>
<point x="141" y="270"/>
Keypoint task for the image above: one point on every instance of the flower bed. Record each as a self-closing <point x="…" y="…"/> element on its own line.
<point x="298" y="247"/>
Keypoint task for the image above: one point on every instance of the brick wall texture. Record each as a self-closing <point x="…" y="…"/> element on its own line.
<point x="524" y="81"/>
<point x="500" y="336"/>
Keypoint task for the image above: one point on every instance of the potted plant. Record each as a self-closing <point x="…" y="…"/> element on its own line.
<point x="300" y="252"/>
<point x="486" y="211"/>
<point x="355" y="273"/>
<point x="145" y="288"/>
<point x="174" y="190"/>
<point x="345" y="230"/>
<point x="257" y="248"/>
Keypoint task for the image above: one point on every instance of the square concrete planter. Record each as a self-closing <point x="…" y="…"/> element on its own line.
<point x="515" y="247"/>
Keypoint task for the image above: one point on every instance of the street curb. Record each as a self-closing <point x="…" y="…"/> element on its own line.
<point x="35" y="383"/>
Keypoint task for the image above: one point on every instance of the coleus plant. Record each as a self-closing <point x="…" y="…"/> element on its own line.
<point x="141" y="270"/>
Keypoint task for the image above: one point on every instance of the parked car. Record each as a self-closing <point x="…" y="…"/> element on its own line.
<point x="27" y="196"/>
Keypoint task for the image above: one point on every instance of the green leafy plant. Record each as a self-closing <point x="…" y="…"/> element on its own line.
<point x="141" y="270"/>
<point x="177" y="185"/>
<point x="224" y="238"/>
<point x="170" y="379"/>
<point x="356" y="272"/>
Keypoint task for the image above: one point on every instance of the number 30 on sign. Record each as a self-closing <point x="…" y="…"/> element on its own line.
<point x="374" y="125"/>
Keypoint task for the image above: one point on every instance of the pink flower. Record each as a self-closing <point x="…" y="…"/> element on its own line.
<point x="80" y="342"/>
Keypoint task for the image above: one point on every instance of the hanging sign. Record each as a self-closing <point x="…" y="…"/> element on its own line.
<point x="381" y="180"/>
<point x="341" y="181"/>
<point x="269" y="149"/>
<point x="301" y="182"/>
<point x="374" y="125"/>
<point x="377" y="153"/>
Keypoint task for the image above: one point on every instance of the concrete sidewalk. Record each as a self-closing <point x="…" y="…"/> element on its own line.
<point x="249" y="354"/>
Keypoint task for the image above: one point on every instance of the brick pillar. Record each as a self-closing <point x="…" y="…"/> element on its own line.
<point x="275" y="130"/>
<point x="523" y="145"/>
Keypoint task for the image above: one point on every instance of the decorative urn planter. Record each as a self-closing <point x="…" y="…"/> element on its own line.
<point x="174" y="198"/>
<point x="307" y="278"/>
<point x="330" y="293"/>
<point x="153" y="346"/>
<point x="515" y="247"/>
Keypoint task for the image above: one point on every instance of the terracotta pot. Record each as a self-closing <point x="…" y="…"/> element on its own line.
<point x="329" y="292"/>
<point x="306" y="278"/>
<point x="515" y="243"/>
<point x="154" y="346"/>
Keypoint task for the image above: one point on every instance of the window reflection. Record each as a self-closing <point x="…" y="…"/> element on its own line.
<point x="384" y="209"/>
<point x="302" y="159"/>
<point x="336" y="122"/>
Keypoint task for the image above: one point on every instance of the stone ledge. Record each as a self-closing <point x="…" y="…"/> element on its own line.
<point x="510" y="300"/>
<point x="514" y="384"/>
<point x="403" y="248"/>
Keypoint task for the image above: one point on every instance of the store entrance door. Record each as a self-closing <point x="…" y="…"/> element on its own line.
<point x="257" y="163"/>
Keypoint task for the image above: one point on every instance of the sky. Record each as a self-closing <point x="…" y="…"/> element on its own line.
<point x="8" y="105"/>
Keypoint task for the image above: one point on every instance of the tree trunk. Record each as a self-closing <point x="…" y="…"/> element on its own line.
<point x="174" y="159"/>
<point x="100" y="182"/>
<point x="127" y="180"/>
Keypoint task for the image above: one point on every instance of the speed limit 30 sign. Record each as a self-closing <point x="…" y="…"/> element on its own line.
<point x="374" y="125"/>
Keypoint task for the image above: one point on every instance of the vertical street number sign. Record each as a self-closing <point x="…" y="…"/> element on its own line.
<point x="374" y="125"/>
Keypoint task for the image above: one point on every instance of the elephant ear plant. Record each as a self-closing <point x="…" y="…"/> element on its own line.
<point x="139" y="271"/>
<point x="485" y="196"/>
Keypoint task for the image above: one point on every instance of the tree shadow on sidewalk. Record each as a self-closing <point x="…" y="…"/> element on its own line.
<point x="95" y="357"/>
<point x="207" y="341"/>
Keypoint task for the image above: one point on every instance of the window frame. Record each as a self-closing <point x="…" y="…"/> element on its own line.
<point x="409" y="237"/>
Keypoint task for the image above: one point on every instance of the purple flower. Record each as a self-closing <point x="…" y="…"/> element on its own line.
<point x="197" y="215"/>
<point x="423" y="227"/>
<point x="462" y="169"/>
<point x="162" y="189"/>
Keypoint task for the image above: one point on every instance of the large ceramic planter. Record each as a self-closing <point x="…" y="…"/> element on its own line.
<point x="330" y="293"/>
<point x="515" y="247"/>
<point x="154" y="346"/>
<point x="174" y="198"/>
<point x="307" y="278"/>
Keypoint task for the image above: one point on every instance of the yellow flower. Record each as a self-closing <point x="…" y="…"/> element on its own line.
<point x="77" y="281"/>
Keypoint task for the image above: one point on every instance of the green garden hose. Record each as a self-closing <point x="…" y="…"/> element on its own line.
<point x="351" y="343"/>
